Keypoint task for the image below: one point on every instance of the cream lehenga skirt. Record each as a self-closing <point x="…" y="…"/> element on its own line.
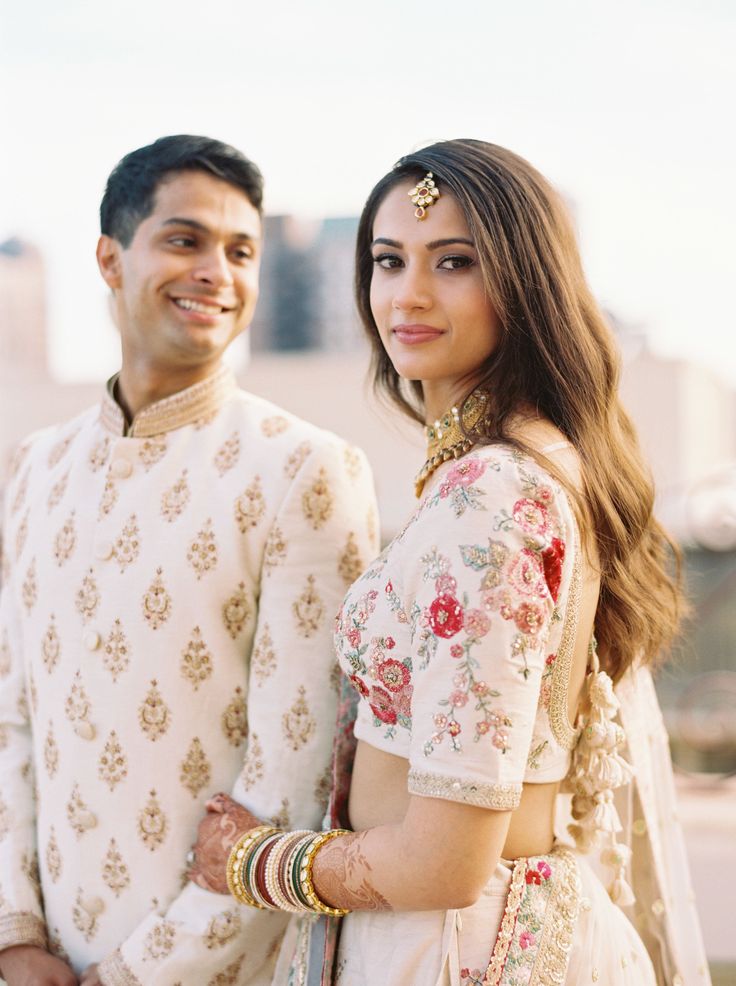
<point x="540" y="921"/>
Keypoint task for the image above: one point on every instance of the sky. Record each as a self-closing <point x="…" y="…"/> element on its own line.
<point x="626" y="106"/>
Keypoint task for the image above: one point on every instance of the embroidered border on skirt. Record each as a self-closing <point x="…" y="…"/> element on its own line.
<point x="534" y="940"/>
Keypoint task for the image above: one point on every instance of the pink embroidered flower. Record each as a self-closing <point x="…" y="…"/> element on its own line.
<point x="453" y="727"/>
<point x="476" y="623"/>
<point x="457" y="651"/>
<point x="482" y="727"/>
<point x="445" y="616"/>
<point x="459" y="699"/>
<point x="526" y="574"/>
<point x="464" y="473"/>
<point x="440" y="720"/>
<point x="353" y="636"/>
<point x="381" y="705"/>
<point x="531" y="516"/>
<point x="552" y="558"/>
<point x="479" y="688"/>
<point x="544" y="869"/>
<point x="460" y="680"/>
<point x="402" y="702"/>
<point x="501" y="740"/>
<point x="358" y="684"/>
<point x="544" y="493"/>
<point x="498" y="718"/>
<point x="445" y="585"/>
<point x="390" y="643"/>
<point x="529" y="618"/>
<point x="393" y="674"/>
<point x="526" y="938"/>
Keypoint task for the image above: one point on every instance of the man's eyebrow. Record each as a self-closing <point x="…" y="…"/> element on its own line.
<point x="201" y="228"/>
<point x="432" y="245"/>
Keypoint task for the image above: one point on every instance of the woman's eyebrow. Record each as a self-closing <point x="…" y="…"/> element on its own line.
<point x="432" y="245"/>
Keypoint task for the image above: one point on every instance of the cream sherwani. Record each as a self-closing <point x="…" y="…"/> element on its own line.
<point x="166" y="620"/>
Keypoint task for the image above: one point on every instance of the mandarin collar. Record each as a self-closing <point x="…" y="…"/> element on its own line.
<point x="202" y="400"/>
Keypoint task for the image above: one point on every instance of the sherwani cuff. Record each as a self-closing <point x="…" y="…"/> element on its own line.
<point x="114" y="971"/>
<point x="22" y="928"/>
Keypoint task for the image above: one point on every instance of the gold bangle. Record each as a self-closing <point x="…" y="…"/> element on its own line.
<point x="306" y="881"/>
<point x="238" y="855"/>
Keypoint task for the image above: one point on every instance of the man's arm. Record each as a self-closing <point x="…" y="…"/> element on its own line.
<point x="323" y="535"/>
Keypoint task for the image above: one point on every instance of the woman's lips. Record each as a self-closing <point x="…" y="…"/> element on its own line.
<point x="411" y="335"/>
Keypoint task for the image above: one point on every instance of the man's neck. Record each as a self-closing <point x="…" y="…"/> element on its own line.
<point x="139" y="387"/>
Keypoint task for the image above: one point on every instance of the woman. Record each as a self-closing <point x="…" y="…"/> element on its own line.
<point x="471" y="641"/>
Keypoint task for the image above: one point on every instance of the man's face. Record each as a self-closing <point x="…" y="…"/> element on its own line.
<point x="187" y="284"/>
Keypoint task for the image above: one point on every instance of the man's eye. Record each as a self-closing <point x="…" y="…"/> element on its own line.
<point x="242" y="253"/>
<point x="457" y="262"/>
<point x="387" y="261"/>
<point x="182" y="241"/>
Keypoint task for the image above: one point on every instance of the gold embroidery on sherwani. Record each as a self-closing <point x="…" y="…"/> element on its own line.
<point x="85" y="913"/>
<point x="229" y="976"/>
<point x="159" y="941"/>
<point x="20" y="494"/>
<point x="263" y="660"/>
<point x="195" y="772"/>
<point x="154" y="714"/>
<point x="308" y="610"/>
<point x="4" y="737"/>
<point x="109" y="497"/>
<point x="21" y="535"/>
<point x="352" y="463"/>
<point x="175" y="498"/>
<point x="98" y="454"/>
<point x="112" y="766"/>
<point x="322" y="790"/>
<point x="77" y="706"/>
<point x="298" y="724"/>
<point x="228" y="454"/>
<point x="127" y="545"/>
<point x="60" y="449"/>
<point x="235" y="719"/>
<point x="252" y="771"/>
<point x="65" y="540"/>
<point x="4" y="819"/>
<point x="114" y="871"/>
<point x="351" y="564"/>
<point x="297" y="459"/>
<point x="202" y="553"/>
<point x="275" y="425"/>
<point x="196" y="660"/>
<point x="152" y="451"/>
<point x="236" y="611"/>
<point x="88" y="597"/>
<point x="116" y="654"/>
<point x="22" y="708"/>
<point x="57" y="492"/>
<point x="275" y="550"/>
<point x="50" y="646"/>
<point x="29" y="589"/>
<point x="5" y="655"/>
<point x="318" y="501"/>
<point x="80" y="817"/>
<point x="156" y="602"/>
<point x="53" y="857"/>
<point x="55" y="946"/>
<point x="51" y="752"/>
<point x="223" y="927"/>
<point x="250" y="506"/>
<point x="17" y="459"/>
<point x="281" y="819"/>
<point x="29" y="867"/>
<point x="33" y="691"/>
<point x="152" y="824"/>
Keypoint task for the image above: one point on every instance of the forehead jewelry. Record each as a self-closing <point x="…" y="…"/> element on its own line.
<point x="424" y="194"/>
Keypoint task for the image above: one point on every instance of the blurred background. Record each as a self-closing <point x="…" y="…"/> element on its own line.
<point x="624" y="106"/>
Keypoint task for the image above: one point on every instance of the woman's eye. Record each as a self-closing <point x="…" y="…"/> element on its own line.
<point x="456" y="262"/>
<point x="387" y="261"/>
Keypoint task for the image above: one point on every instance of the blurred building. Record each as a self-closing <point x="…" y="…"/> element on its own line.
<point x="23" y="344"/>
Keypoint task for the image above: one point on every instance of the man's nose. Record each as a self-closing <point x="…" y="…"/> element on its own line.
<point x="214" y="268"/>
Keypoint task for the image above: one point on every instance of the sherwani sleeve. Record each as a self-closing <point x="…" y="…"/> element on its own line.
<point x="322" y="536"/>
<point x="21" y="912"/>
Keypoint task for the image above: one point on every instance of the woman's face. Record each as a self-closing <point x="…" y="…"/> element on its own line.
<point x="428" y="299"/>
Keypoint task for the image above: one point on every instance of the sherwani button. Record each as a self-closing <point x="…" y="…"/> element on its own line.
<point x="103" y="550"/>
<point x="92" y="640"/>
<point x="85" y="730"/>
<point x="87" y="819"/>
<point x="121" y="468"/>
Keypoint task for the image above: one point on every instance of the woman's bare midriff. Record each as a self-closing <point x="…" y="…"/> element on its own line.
<point x="379" y="796"/>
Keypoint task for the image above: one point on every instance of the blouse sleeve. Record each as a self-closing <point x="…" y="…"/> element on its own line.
<point x="483" y="588"/>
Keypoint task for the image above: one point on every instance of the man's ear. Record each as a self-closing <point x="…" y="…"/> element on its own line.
<point x="108" y="260"/>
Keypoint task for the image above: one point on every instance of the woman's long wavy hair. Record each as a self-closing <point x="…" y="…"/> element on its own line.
<point x="556" y="355"/>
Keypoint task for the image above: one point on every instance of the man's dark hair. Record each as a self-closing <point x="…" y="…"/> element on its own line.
<point x="131" y="188"/>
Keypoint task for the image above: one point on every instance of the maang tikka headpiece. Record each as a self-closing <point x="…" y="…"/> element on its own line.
<point x="424" y="194"/>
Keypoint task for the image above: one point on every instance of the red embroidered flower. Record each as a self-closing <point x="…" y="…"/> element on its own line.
<point x="529" y="618"/>
<point x="393" y="674"/>
<point x="533" y="877"/>
<point x="527" y="575"/>
<point x="446" y="616"/>
<point x="531" y="516"/>
<point x="453" y="727"/>
<point x="381" y="705"/>
<point x="353" y="636"/>
<point x="551" y="660"/>
<point x="358" y="684"/>
<point x="390" y="643"/>
<point x="552" y="559"/>
<point x="456" y="651"/>
<point x="464" y="473"/>
<point x="476" y="623"/>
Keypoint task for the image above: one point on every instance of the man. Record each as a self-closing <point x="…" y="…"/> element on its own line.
<point x="174" y="558"/>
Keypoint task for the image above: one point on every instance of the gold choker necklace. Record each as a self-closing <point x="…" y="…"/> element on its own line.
<point x="445" y="438"/>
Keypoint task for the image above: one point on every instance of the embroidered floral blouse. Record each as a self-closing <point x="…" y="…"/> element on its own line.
<point x="459" y="637"/>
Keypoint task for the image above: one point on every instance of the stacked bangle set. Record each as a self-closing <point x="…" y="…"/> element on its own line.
<point x="272" y="870"/>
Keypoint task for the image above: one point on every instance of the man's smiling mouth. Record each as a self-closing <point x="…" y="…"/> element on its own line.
<point x="189" y="305"/>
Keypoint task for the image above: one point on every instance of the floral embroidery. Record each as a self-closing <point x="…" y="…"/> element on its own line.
<point x="228" y="454"/>
<point x="65" y="540"/>
<point x="152" y="824"/>
<point x="223" y="927"/>
<point x="196" y="660"/>
<point x="250" y="506"/>
<point x="234" y="719"/>
<point x="175" y="499"/>
<point x="114" y="871"/>
<point x="318" y="501"/>
<point x="350" y="564"/>
<point x="308" y="609"/>
<point x="552" y="559"/>
<point x="298" y="725"/>
<point x="195" y="772"/>
<point x="202" y="553"/>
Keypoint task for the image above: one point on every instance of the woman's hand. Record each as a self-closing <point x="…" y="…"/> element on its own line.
<point x="218" y="832"/>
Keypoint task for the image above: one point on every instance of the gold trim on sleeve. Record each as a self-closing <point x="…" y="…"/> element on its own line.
<point x="501" y="797"/>
<point x="116" y="971"/>
<point x="559" y="718"/>
<point x="22" y="928"/>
